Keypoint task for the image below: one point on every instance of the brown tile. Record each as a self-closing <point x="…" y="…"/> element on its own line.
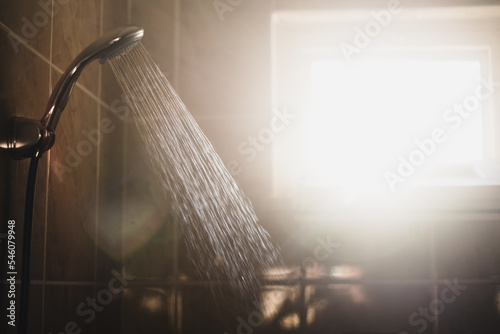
<point x="199" y="312"/>
<point x="473" y="310"/>
<point x="110" y="219"/>
<point x="5" y="198"/>
<point x="153" y="257"/>
<point x="148" y="310"/>
<point x="5" y="162"/>
<point x="382" y="308"/>
<point x="25" y="72"/>
<point x="39" y="224"/>
<point x="374" y="249"/>
<point x="114" y="15"/>
<point x="225" y="64"/>
<point x="67" y="307"/>
<point x="467" y="249"/>
<point x="35" y="311"/>
<point x="75" y="27"/>
<point x="109" y="319"/>
<point x="18" y="198"/>
<point x="157" y="17"/>
<point x="147" y="226"/>
<point x="72" y="193"/>
<point x="111" y="93"/>
<point x="16" y="211"/>
<point x="30" y="21"/>
<point x="4" y="303"/>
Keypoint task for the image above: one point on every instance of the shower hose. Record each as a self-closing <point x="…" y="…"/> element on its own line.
<point x="27" y="236"/>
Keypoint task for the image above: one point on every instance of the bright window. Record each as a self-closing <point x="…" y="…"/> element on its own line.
<point x="363" y="115"/>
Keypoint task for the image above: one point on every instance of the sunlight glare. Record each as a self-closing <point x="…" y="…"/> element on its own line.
<point x="364" y="114"/>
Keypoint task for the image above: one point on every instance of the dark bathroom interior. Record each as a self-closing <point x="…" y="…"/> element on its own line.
<point x="109" y="256"/>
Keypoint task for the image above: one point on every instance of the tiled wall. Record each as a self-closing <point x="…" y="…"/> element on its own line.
<point x="75" y="210"/>
<point x="108" y="213"/>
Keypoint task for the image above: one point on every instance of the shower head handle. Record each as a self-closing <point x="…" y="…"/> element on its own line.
<point x="110" y="45"/>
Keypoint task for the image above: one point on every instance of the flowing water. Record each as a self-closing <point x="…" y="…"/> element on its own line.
<point x="223" y="237"/>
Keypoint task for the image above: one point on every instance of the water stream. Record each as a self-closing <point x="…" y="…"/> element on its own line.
<point x="223" y="237"/>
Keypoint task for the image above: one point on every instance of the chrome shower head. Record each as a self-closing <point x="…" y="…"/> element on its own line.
<point x="26" y="138"/>
<point x="126" y="39"/>
<point x="109" y="46"/>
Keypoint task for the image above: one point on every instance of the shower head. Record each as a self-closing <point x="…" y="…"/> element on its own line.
<point x="109" y="46"/>
<point x="117" y="42"/>
<point x="26" y="138"/>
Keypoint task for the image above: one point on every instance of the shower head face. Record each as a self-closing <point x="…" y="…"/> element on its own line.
<point x="110" y="45"/>
<point x="119" y="42"/>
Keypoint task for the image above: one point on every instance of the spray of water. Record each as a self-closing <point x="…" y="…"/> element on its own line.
<point x="224" y="240"/>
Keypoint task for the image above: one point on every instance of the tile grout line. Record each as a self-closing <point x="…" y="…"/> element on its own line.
<point x="124" y="197"/>
<point x="98" y="158"/>
<point x="23" y="42"/>
<point x="47" y="180"/>
<point x="98" y="162"/>
<point x="124" y="189"/>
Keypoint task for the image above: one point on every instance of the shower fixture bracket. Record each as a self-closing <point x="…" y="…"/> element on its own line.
<point x="26" y="138"/>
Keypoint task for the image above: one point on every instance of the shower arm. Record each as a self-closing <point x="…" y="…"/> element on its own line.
<point x="26" y="138"/>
